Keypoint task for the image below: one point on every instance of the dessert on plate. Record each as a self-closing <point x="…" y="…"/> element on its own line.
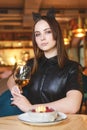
<point x="42" y="114"/>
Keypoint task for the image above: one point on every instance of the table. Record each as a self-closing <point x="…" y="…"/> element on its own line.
<point x="73" y="122"/>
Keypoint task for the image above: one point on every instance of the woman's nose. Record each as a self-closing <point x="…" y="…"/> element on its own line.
<point x="42" y="37"/>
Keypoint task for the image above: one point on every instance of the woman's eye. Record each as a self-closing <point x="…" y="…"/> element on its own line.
<point x="36" y="35"/>
<point x="49" y="31"/>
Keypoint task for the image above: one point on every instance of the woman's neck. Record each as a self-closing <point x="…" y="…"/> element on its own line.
<point x="50" y="53"/>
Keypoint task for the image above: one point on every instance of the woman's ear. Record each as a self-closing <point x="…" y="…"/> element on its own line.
<point x="36" y="16"/>
<point x="51" y="13"/>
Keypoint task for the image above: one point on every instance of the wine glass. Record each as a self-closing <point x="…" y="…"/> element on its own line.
<point x="22" y="74"/>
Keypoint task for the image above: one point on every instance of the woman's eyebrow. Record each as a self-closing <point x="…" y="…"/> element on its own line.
<point x="47" y="29"/>
<point x="43" y="30"/>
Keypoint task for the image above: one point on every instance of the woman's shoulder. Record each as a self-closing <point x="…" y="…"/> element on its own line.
<point x="73" y="65"/>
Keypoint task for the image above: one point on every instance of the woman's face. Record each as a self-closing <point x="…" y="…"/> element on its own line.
<point x="44" y="37"/>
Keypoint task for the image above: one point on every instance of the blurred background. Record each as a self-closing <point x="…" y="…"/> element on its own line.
<point x="16" y="28"/>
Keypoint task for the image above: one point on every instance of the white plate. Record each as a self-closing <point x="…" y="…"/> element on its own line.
<point x="25" y="119"/>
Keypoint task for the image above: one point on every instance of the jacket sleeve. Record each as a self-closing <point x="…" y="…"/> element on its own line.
<point x="75" y="78"/>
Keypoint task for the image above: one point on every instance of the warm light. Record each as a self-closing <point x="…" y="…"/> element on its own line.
<point x="12" y="61"/>
<point x="66" y="37"/>
<point x="19" y="43"/>
<point x="66" y="41"/>
<point x="79" y="32"/>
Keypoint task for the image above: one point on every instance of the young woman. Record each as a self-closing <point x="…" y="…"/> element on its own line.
<point x="56" y="81"/>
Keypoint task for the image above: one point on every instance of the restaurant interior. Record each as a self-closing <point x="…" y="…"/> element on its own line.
<point x="16" y="28"/>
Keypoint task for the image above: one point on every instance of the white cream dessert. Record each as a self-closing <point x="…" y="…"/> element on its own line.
<point x="42" y="114"/>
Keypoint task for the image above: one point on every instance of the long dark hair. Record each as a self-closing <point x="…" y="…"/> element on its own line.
<point x="57" y="35"/>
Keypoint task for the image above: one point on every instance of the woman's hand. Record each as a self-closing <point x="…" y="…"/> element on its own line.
<point x="19" y="100"/>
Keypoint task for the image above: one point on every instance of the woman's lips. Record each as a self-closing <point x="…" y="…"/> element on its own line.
<point x="44" y="44"/>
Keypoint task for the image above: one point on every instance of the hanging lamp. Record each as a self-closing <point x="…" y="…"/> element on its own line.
<point x="80" y="31"/>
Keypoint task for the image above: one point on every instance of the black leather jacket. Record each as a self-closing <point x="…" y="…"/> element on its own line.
<point x="50" y="83"/>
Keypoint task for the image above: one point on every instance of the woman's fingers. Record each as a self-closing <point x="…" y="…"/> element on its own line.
<point x="15" y="90"/>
